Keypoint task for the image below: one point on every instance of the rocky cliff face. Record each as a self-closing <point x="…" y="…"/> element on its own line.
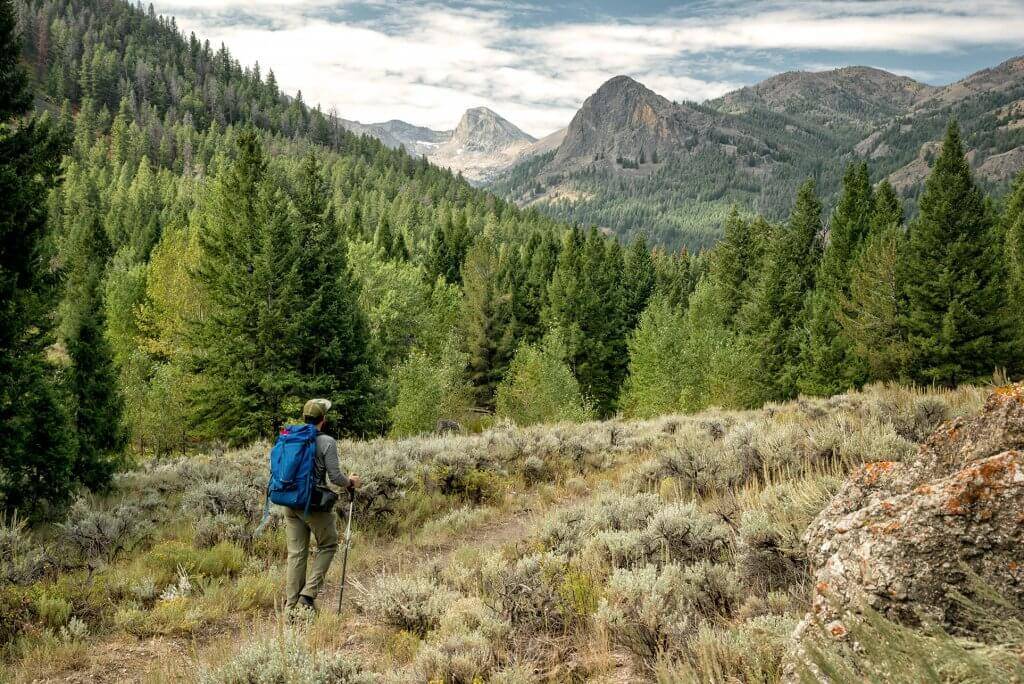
<point x="904" y="537"/>
<point x="482" y="145"/>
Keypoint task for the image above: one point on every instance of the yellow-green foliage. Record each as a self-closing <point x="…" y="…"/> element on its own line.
<point x="166" y="559"/>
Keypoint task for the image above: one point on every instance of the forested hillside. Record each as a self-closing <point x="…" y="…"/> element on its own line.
<point x="222" y="250"/>
<point x="210" y="252"/>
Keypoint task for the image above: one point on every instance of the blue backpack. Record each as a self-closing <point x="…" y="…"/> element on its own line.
<point x="291" y="467"/>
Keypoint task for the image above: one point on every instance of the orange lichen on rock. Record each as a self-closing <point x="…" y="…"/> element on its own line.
<point x="978" y="482"/>
<point x="870" y="473"/>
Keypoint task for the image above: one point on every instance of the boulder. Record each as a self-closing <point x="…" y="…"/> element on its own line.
<point x="903" y="537"/>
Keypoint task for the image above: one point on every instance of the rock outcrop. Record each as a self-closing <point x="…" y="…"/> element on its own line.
<point x="904" y="537"/>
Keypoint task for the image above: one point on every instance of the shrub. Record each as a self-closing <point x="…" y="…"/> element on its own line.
<point x="653" y="611"/>
<point x="53" y="611"/>
<point x="22" y="559"/>
<point x="90" y="534"/>
<point x="222" y="528"/>
<point x="699" y="467"/>
<point x="766" y="559"/>
<point x="642" y="610"/>
<point x="565" y="533"/>
<point x="459" y="659"/>
<point x="540" y="388"/>
<point x="749" y="652"/>
<point x="256" y="591"/>
<point x="218" y="497"/>
<point x="286" y="659"/>
<point x="456" y="474"/>
<point x="535" y="471"/>
<point x="681" y="533"/>
<point x="414" y="604"/>
<point x="528" y="592"/>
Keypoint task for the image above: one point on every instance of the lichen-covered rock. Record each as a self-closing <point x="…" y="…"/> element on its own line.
<point x="901" y="538"/>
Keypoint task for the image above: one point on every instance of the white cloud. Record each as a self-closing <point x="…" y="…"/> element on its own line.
<point x="426" y="62"/>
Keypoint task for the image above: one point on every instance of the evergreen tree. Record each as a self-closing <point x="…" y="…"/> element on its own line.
<point x="952" y="277"/>
<point x="96" y="402"/>
<point x="281" y="323"/>
<point x="828" y="363"/>
<point x="488" y="340"/>
<point x="638" y="280"/>
<point x="887" y="210"/>
<point x="870" y="314"/>
<point x="729" y="268"/>
<point x="586" y="301"/>
<point x="334" y="357"/>
<point x="771" y="320"/>
<point x="1013" y="236"/>
<point x="36" y="461"/>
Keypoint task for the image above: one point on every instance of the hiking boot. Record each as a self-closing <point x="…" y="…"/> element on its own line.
<point x="306" y="603"/>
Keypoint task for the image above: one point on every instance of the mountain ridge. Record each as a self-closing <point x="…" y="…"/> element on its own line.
<point x="632" y="161"/>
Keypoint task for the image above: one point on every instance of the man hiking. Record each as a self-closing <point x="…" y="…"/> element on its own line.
<point x="319" y="519"/>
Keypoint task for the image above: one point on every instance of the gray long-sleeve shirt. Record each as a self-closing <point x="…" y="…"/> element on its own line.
<point x="326" y="465"/>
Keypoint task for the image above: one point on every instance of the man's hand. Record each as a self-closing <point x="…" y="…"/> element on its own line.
<point x="354" y="481"/>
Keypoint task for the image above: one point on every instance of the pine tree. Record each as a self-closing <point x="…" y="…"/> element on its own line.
<point x="952" y="277"/>
<point x="638" y="280"/>
<point x="887" y="210"/>
<point x="1013" y="236"/>
<point x="587" y="302"/>
<point x="36" y="461"/>
<point x="870" y="315"/>
<point x="334" y="356"/>
<point x="828" y="365"/>
<point x="771" y="320"/>
<point x="489" y="324"/>
<point x="245" y="346"/>
<point x="730" y="264"/>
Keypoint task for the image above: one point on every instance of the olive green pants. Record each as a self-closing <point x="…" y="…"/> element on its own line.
<point x="297" y="530"/>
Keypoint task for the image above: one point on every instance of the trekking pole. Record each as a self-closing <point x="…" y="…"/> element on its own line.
<point x="348" y="545"/>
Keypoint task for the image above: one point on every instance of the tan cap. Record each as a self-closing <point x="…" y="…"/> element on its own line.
<point x="316" y="408"/>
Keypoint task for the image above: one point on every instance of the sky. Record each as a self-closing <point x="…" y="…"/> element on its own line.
<point x="535" y="62"/>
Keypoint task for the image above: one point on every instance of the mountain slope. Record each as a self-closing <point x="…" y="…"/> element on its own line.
<point x="634" y="162"/>
<point x="417" y="140"/>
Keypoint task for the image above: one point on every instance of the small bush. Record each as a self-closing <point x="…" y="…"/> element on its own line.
<point x="528" y="592"/>
<point x="53" y="611"/>
<point x="286" y="659"/>
<point x="223" y="527"/>
<point x="459" y="659"/>
<point x="766" y="559"/>
<point x="90" y="534"/>
<point x="681" y="533"/>
<point x="414" y="604"/>
<point x="22" y="559"/>
<point x="653" y="611"/>
<point x="642" y="611"/>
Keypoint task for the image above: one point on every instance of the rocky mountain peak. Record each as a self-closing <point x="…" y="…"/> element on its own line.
<point x="482" y="130"/>
<point x="624" y="119"/>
